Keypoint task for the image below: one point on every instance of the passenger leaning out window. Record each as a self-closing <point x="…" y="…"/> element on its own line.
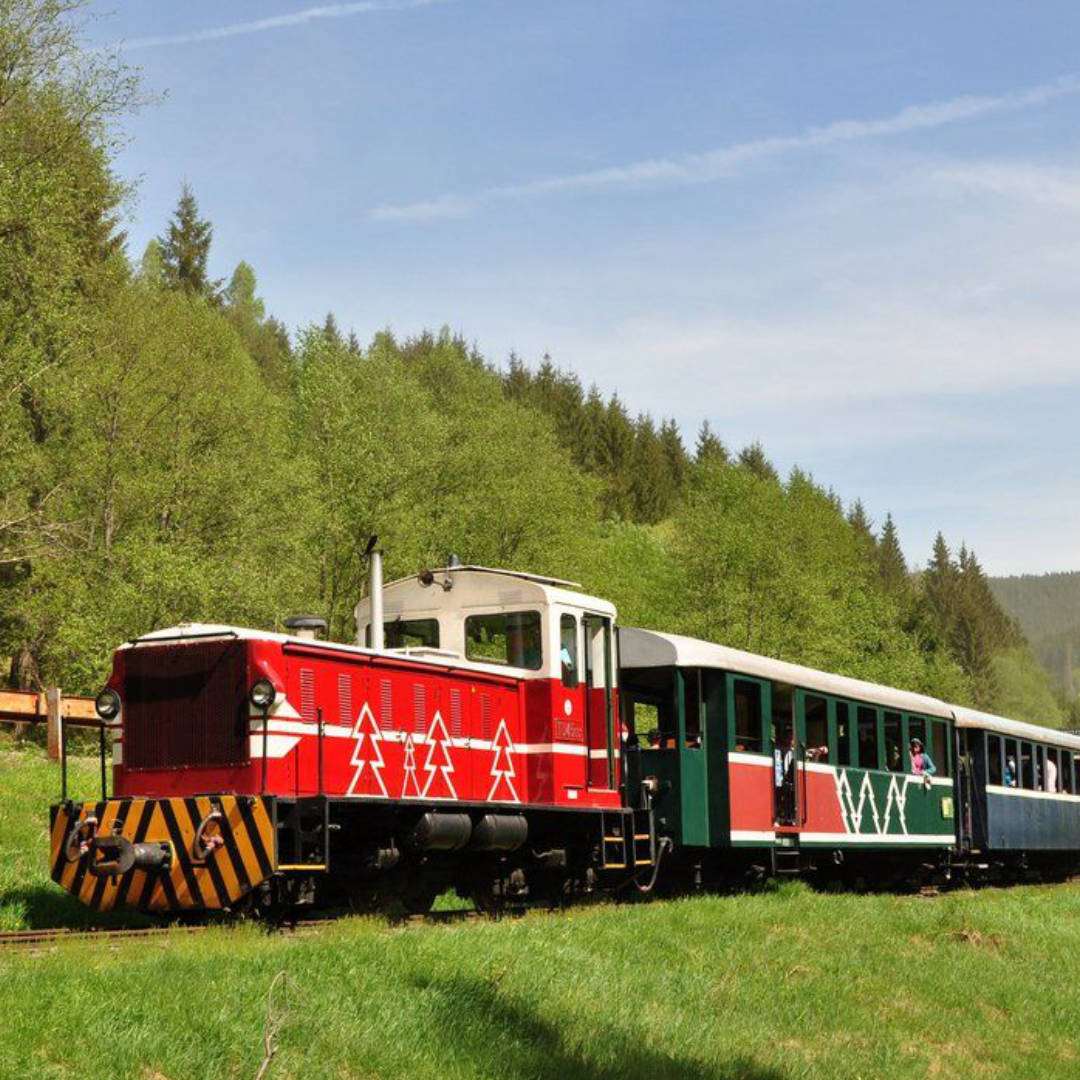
<point x="921" y="762"/>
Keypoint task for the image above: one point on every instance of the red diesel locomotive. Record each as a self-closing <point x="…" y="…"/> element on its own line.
<point x="470" y="742"/>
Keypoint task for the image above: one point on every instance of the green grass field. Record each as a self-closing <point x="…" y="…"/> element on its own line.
<point x="782" y="984"/>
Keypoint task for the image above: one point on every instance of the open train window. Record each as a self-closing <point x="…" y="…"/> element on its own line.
<point x="843" y="733"/>
<point x="869" y="758"/>
<point x="917" y="730"/>
<point x="993" y="759"/>
<point x="816" y="713"/>
<point x="1053" y="770"/>
<point x="747" y="716"/>
<point x="647" y="704"/>
<point x="894" y="743"/>
<point x="1027" y="766"/>
<point x="1067" y="784"/>
<point x="783" y="715"/>
<point x="939" y="747"/>
<point x="692" y="705"/>
<point x="1011" y="774"/>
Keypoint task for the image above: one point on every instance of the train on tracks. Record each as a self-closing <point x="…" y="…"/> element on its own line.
<point x="497" y="733"/>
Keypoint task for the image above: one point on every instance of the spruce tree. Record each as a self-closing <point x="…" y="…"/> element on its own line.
<point x="185" y="248"/>
<point x="678" y="461"/>
<point x="892" y="568"/>
<point x="709" y="448"/>
<point x="753" y="459"/>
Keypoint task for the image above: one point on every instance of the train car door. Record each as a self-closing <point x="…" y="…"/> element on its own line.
<point x="600" y="731"/>
<point x="785" y="767"/>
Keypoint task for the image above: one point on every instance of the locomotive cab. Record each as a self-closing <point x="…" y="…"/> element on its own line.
<point x="540" y="630"/>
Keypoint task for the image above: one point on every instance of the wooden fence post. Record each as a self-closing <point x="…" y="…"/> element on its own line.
<point x="52" y="714"/>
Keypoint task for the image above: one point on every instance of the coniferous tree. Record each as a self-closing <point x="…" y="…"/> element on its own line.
<point x="678" y="461"/>
<point x="753" y="459"/>
<point x="185" y="249"/>
<point x="709" y="448"/>
<point x="891" y="566"/>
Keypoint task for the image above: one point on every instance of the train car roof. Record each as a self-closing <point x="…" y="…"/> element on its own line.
<point x="649" y="648"/>
<point x="1019" y="729"/>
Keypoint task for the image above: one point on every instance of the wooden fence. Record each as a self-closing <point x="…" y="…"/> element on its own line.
<point x="48" y="707"/>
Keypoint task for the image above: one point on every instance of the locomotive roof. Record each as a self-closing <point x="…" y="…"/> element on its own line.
<point x="649" y="648"/>
<point x="1019" y="729"/>
<point x="480" y="584"/>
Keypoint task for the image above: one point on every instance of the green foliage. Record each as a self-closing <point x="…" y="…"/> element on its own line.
<point x="185" y="249"/>
<point x="166" y="454"/>
<point x="419" y="444"/>
<point x="1047" y="607"/>
<point x="776" y="569"/>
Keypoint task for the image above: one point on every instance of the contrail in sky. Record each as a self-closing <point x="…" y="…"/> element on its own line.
<point x="277" y="22"/>
<point x="717" y="164"/>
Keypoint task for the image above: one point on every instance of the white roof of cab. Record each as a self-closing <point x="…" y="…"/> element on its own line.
<point x="471" y="586"/>
<point x="1018" y="729"/>
<point x="647" y="648"/>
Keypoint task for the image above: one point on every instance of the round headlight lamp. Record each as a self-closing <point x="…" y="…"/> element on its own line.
<point x="262" y="694"/>
<point x="107" y="704"/>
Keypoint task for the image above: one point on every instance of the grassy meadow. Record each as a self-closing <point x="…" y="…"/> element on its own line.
<point x="781" y="984"/>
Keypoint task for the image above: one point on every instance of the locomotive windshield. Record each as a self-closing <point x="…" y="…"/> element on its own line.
<point x="511" y="637"/>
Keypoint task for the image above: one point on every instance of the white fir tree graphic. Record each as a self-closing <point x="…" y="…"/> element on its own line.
<point x="439" y="762"/>
<point x="367" y="756"/>
<point x="502" y="767"/>
<point x="410" y="769"/>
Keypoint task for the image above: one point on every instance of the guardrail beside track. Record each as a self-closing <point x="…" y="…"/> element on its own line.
<point x="49" y="707"/>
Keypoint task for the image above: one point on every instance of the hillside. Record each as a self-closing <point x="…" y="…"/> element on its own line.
<point x="756" y="986"/>
<point x="172" y="452"/>
<point x="1047" y="606"/>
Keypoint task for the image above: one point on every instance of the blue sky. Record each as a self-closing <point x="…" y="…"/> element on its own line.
<point x="847" y="228"/>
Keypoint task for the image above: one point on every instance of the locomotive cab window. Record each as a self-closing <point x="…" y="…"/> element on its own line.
<point x="408" y="633"/>
<point x="568" y="650"/>
<point x="505" y="637"/>
<point x="748" y="716"/>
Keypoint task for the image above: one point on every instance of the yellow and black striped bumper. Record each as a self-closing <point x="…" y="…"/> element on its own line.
<point x="193" y="875"/>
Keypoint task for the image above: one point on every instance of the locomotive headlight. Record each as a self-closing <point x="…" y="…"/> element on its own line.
<point x="107" y="704"/>
<point x="262" y="694"/>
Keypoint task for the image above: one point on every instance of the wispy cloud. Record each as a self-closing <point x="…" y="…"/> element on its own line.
<point x="1018" y="182"/>
<point x="277" y="22"/>
<point x="723" y="162"/>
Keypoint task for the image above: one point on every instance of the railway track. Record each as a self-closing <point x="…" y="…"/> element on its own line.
<point x="53" y="936"/>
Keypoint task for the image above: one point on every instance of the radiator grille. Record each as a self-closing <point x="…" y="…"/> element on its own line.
<point x="419" y="708"/>
<point x="457" y="727"/>
<point x="185" y="706"/>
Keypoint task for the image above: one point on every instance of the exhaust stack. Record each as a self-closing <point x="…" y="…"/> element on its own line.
<point x="375" y="557"/>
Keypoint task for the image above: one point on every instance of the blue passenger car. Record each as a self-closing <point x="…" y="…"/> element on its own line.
<point x="1022" y="793"/>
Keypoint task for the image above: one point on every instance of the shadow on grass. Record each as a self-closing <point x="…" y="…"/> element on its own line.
<point x="526" y="1046"/>
<point x="41" y="907"/>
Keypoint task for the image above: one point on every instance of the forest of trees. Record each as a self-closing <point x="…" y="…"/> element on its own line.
<point x="169" y="451"/>
<point x="1047" y="606"/>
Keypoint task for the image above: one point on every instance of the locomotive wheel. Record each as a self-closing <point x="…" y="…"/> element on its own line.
<point x="418" y="897"/>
